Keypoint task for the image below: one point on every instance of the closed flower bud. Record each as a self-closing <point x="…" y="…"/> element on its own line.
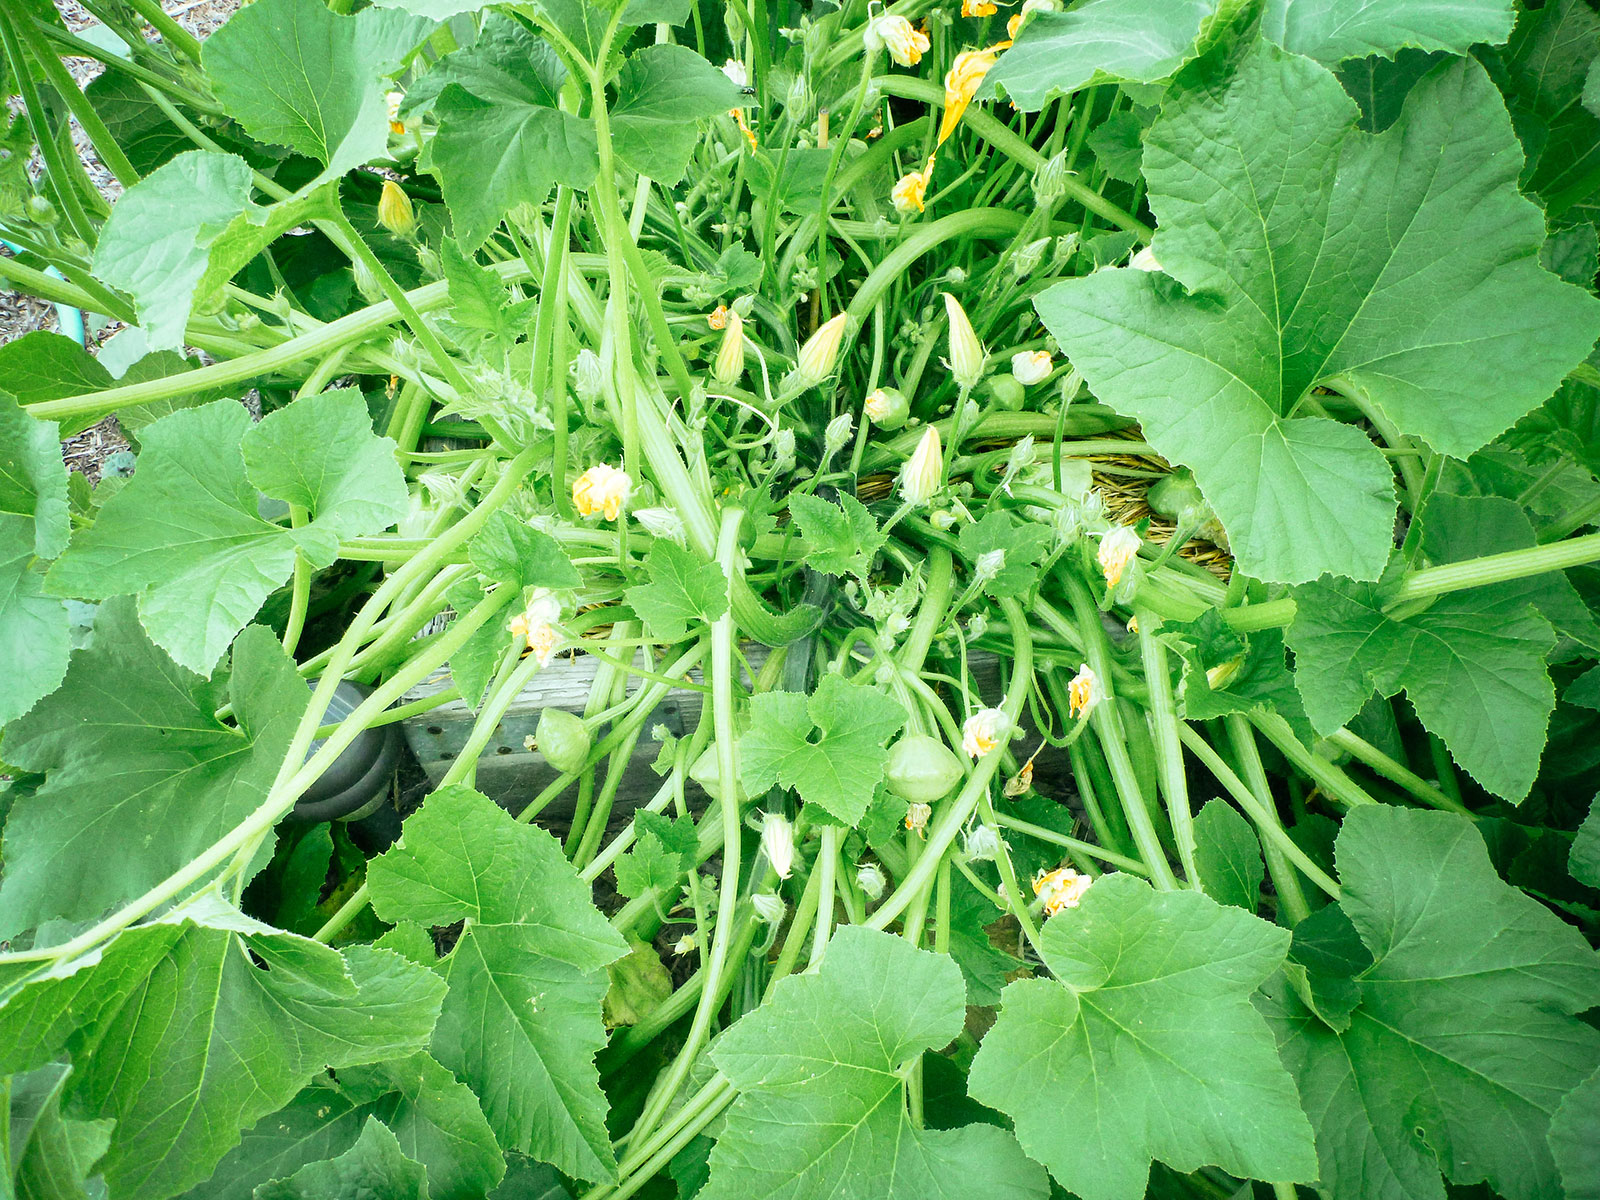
<point x="684" y="945"/>
<point x="588" y="377"/>
<point x="837" y="435"/>
<point x="1084" y="692"/>
<point x="911" y="189"/>
<point x="887" y="408"/>
<point x="394" y="210"/>
<point x="923" y="473"/>
<point x="602" y="488"/>
<point x="730" y="355"/>
<point x="1219" y="676"/>
<point x="899" y="37"/>
<point x="984" y="731"/>
<point x="966" y="352"/>
<point x="869" y="878"/>
<point x="990" y="564"/>
<point x="1145" y="260"/>
<point x="366" y="282"/>
<point x="783" y="450"/>
<point x="1031" y="366"/>
<point x="1026" y="260"/>
<point x="770" y="909"/>
<point x="661" y="523"/>
<point x="777" y="841"/>
<point x="1117" y="548"/>
<point x="1050" y="179"/>
<point x="736" y="73"/>
<point x="820" y="353"/>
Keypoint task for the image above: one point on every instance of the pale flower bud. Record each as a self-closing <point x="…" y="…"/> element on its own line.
<point x="1219" y="676"/>
<point x="820" y="352"/>
<point x="899" y="37"/>
<point x="990" y="564"/>
<point x="923" y="473"/>
<point x="1050" y="179"/>
<point x="837" y="435"/>
<point x="1084" y="692"/>
<point x="730" y="355"/>
<point x="869" y="878"/>
<point x="1031" y="366"/>
<point x="887" y="408"/>
<point x="1145" y="260"/>
<point x="769" y="908"/>
<point x="602" y="488"/>
<point x="777" y="841"/>
<point x="1117" y="548"/>
<point x="392" y="101"/>
<point x="966" y="352"/>
<point x="1026" y="260"/>
<point x="684" y="945"/>
<point x="736" y="73"/>
<point x="783" y="450"/>
<point x="982" y="843"/>
<point x="588" y="377"/>
<point x="394" y="210"/>
<point x="984" y="730"/>
<point x="661" y="523"/>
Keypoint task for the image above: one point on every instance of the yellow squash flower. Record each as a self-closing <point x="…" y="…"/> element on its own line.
<point x="602" y="488"/>
<point x="984" y="730"/>
<point x="394" y="210"/>
<point x="536" y="624"/>
<point x="1061" y="888"/>
<point x="909" y="191"/>
<point x="961" y="84"/>
<point x="1031" y="366"/>
<point x="730" y="355"/>
<point x="1117" y="548"/>
<point x="977" y="8"/>
<point x="1084" y="692"/>
<point x="904" y="42"/>
<point x="392" y="101"/>
<point x="717" y="318"/>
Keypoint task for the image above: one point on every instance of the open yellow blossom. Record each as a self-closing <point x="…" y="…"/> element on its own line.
<point x="1117" y="549"/>
<point x="1084" y="692"/>
<point x="904" y="42"/>
<point x="1061" y="888"/>
<point x="602" y="488"/>
<point x="984" y="730"/>
<point x="909" y="191"/>
<point x="717" y="318"/>
<point x="961" y="84"/>
<point x="917" y="817"/>
<point x="536" y="624"/>
<point x="977" y="8"/>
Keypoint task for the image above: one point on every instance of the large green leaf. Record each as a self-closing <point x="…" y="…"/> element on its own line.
<point x="186" y="536"/>
<point x="502" y="139"/>
<point x="436" y="1119"/>
<point x="683" y="588"/>
<point x="45" y="365"/>
<point x="1573" y="1143"/>
<point x="1460" y="1046"/>
<point x="838" y="768"/>
<point x="1472" y="665"/>
<point x="190" y="1029"/>
<point x="294" y="73"/>
<point x="1227" y="856"/>
<point x="1331" y="30"/>
<point x="140" y="776"/>
<point x="33" y="479"/>
<point x="820" y="1069"/>
<point x="1438" y="315"/>
<point x="373" y="1168"/>
<point x="521" y="1020"/>
<point x="662" y="93"/>
<point x="50" y="1153"/>
<point x="35" y="638"/>
<point x="183" y="231"/>
<point x="1104" y="41"/>
<point x="1116" y="1060"/>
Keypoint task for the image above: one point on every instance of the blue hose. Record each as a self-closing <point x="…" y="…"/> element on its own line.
<point x="69" y="319"/>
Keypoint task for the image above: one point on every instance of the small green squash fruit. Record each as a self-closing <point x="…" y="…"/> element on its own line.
<point x="921" y="769"/>
<point x="563" y="739"/>
<point x="705" y="771"/>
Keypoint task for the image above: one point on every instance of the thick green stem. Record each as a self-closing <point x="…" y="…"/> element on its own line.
<point x="1169" y="753"/>
<point x="1497" y="568"/>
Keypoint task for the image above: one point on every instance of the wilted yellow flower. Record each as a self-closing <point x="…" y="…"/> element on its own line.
<point x="392" y="102"/>
<point x="536" y="624"/>
<point x="910" y="189"/>
<point x="1029" y="7"/>
<point x="905" y="44"/>
<point x="977" y="8"/>
<point x="394" y="210"/>
<point x="1031" y="366"/>
<point x="717" y="318"/>
<point x="749" y="134"/>
<point x="602" y="488"/>
<point x="1020" y="783"/>
<point x="961" y="83"/>
<point x="923" y="473"/>
<point x="984" y="730"/>
<point x="917" y="817"/>
<point x="966" y="351"/>
<point x="684" y="945"/>
<point x="1116" y="549"/>
<point x="1084" y="692"/>
<point x="730" y="355"/>
<point x="1061" y="888"/>
<point x="821" y="352"/>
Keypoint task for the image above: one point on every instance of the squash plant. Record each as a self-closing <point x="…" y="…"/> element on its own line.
<point x="1153" y="443"/>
